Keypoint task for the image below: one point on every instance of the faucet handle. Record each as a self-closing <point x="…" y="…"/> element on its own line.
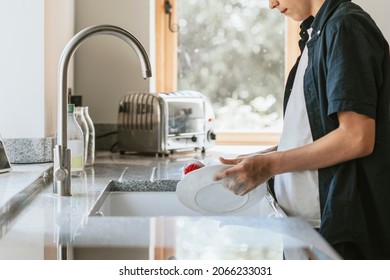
<point x="61" y="173"/>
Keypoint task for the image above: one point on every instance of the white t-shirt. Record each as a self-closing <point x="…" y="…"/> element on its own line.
<point x="297" y="192"/>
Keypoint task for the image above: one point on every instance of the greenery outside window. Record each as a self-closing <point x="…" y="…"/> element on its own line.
<point x="236" y="52"/>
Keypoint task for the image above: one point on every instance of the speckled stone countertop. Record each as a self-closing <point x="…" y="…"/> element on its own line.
<point x="35" y="224"/>
<point x="29" y="150"/>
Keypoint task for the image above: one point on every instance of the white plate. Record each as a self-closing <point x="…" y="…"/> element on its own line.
<point x="199" y="192"/>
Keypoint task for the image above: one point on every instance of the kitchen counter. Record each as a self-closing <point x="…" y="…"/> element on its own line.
<point x="35" y="224"/>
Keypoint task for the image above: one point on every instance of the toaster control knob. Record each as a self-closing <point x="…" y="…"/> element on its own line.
<point x="194" y="138"/>
<point x="211" y="135"/>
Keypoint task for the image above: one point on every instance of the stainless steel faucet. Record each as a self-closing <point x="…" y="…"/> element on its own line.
<point x="62" y="156"/>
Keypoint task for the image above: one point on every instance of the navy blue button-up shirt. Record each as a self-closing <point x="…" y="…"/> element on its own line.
<point x="349" y="70"/>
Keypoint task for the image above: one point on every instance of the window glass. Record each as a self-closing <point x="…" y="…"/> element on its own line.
<point x="233" y="51"/>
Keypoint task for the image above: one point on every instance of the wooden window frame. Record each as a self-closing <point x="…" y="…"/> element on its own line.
<point x="166" y="70"/>
<point x="166" y="49"/>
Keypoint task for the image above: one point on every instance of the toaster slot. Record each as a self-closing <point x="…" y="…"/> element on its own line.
<point x="124" y="113"/>
<point x="136" y="112"/>
<point x="147" y="122"/>
<point x="129" y="112"/>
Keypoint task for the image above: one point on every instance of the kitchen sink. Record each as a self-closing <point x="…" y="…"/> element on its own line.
<point x="127" y="213"/>
<point x="144" y="224"/>
<point x="143" y="204"/>
<point x="163" y="203"/>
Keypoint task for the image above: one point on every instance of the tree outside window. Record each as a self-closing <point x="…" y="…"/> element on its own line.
<point x="233" y="51"/>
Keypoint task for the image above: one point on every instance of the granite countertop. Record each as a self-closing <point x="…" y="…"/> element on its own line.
<point x="35" y="224"/>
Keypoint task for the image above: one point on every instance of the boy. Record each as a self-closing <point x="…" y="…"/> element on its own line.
<point x="332" y="164"/>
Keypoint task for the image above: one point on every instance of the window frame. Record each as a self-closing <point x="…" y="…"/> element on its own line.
<point x="166" y="70"/>
<point x="166" y="49"/>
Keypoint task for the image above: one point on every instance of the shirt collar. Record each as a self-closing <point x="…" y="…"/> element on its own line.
<point x="324" y="13"/>
<point x="305" y="26"/>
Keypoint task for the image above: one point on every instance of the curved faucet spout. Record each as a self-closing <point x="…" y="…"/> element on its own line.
<point x="67" y="54"/>
<point x="61" y="159"/>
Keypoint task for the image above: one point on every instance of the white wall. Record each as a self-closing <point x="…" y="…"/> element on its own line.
<point x="378" y="9"/>
<point x="106" y="68"/>
<point x="21" y="68"/>
<point x="33" y="35"/>
<point x="59" y="28"/>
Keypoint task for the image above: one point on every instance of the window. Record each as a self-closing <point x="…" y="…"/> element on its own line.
<point x="233" y="51"/>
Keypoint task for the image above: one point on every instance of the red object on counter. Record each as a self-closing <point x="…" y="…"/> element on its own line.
<point x="191" y="167"/>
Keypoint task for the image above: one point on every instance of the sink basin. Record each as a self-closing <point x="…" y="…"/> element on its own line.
<point x="164" y="203"/>
<point x="161" y="227"/>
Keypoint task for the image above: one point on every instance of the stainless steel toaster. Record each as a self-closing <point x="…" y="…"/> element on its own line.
<point x="162" y="123"/>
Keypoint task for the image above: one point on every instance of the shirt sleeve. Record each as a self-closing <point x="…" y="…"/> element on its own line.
<point x="354" y="69"/>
